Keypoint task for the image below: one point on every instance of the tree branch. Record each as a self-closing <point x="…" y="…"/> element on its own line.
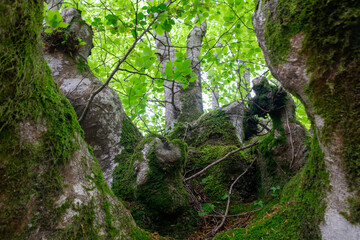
<point x="220" y="160"/>
<point x="229" y="195"/>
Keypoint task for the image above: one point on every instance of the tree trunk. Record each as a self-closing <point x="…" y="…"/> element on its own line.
<point x="51" y="185"/>
<point x="214" y="97"/>
<point x="103" y="124"/>
<point x="182" y="105"/>
<point x="313" y="50"/>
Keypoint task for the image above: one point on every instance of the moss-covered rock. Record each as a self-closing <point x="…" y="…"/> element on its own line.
<point x="210" y="138"/>
<point x="211" y="129"/>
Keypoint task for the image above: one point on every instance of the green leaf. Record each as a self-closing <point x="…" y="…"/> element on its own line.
<point x="207" y="207"/>
<point x="112" y="19"/>
<point x="193" y="79"/>
<point x="48" y="30"/>
<point x="185" y="86"/>
<point x="159" y="30"/>
<point x="162" y="6"/>
<point x="63" y="25"/>
<point x="140" y="16"/>
<point x="169" y="69"/>
<point x="147" y="51"/>
<point x="224" y="197"/>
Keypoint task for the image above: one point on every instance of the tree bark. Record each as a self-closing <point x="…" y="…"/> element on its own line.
<point x="325" y="75"/>
<point x="214" y="97"/>
<point x="51" y="185"/>
<point x="182" y="105"/>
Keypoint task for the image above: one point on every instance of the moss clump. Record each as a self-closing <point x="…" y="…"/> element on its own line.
<point x="269" y="99"/>
<point x="190" y="109"/>
<point x="300" y="210"/>
<point x="163" y="192"/>
<point x="213" y="129"/>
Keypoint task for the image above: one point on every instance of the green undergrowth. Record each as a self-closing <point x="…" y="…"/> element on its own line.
<point x="299" y="210"/>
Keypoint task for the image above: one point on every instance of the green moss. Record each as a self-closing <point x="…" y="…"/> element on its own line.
<point x="216" y="181"/>
<point x="189" y="111"/>
<point x="124" y="179"/>
<point x="300" y="210"/>
<point x="83" y="226"/>
<point x="213" y="128"/>
<point x="113" y="232"/>
<point x="164" y="192"/>
<point x="30" y="176"/>
<point x="162" y="201"/>
<point x="130" y="137"/>
<point x="279" y="30"/>
<point x="250" y="123"/>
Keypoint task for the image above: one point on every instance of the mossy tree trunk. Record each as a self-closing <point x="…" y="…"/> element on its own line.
<point x="312" y="48"/>
<point x="51" y="185"/>
<point x="103" y="124"/>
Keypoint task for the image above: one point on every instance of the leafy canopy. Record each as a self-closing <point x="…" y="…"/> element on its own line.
<point x="230" y="55"/>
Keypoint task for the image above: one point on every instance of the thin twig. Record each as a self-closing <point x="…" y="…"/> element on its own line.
<point x="234" y="215"/>
<point x="229" y="196"/>
<point x="220" y="160"/>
